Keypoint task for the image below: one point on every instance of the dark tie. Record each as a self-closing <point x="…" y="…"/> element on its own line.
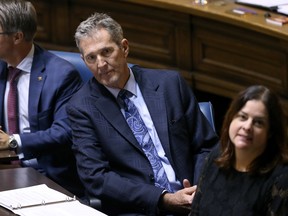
<point x="12" y="102"/>
<point x="140" y="131"/>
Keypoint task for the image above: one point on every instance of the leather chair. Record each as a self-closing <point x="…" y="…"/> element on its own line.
<point x="208" y="111"/>
<point x="77" y="61"/>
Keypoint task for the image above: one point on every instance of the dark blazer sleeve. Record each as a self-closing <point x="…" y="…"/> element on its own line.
<point x="52" y="82"/>
<point x="202" y="138"/>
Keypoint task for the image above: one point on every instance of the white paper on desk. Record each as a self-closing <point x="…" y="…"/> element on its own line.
<point x="283" y="9"/>
<point x="30" y="196"/>
<point x="46" y="201"/>
<point x="73" y="208"/>
<point x="264" y="3"/>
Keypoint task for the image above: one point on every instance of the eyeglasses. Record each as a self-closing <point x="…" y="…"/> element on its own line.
<point x="7" y="33"/>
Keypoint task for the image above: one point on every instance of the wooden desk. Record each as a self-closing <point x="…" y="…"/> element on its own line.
<point x="7" y="156"/>
<point x="24" y="177"/>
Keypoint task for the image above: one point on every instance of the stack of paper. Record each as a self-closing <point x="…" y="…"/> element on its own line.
<point x="283" y="9"/>
<point x="264" y="3"/>
<point x="40" y="200"/>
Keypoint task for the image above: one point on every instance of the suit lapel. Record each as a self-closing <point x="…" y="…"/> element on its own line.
<point x="155" y="102"/>
<point x="154" y="99"/>
<point x="110" y="109"/>
<point x="37" y="80"/>
<point x="3" y="78"/>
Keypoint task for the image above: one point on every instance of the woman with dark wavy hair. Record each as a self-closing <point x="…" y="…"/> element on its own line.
<point x="248" y="175"/>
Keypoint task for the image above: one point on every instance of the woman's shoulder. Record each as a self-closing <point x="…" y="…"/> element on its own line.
<point x="210" y="160"/>
<point x="277" y="180"/>
<point x="280" y="174"/>
<point x="277" y="196"/>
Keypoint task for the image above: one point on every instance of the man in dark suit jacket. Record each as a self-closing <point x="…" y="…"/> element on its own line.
<point x="111" y="163"/>
<point x="45" y="84"/>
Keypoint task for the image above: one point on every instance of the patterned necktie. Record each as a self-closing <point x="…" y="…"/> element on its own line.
<point x="12" y="102"/>
<point x="140" y="131"/>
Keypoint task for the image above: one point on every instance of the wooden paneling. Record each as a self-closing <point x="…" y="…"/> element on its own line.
<point x="238" y="56"/>
<point x="215" y="50"/>
<point x="54" y="31"/>
<point x="44" y="15"/>
<point x="157" y="37"/>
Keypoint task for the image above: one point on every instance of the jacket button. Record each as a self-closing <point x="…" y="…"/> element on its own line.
<point x="152" y="179"/>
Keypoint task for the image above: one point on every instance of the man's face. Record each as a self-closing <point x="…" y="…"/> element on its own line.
<point x="106" y="60"/>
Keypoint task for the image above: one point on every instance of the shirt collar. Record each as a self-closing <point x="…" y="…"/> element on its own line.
<point x="26" y="63"/>
<point x="130" y="86"/>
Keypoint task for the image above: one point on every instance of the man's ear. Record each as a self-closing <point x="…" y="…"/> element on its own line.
<point x="125" y="46"/>
<point x="18" y="37"/>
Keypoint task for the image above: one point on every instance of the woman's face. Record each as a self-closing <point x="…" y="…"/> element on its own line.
<point x="249" y="128"/>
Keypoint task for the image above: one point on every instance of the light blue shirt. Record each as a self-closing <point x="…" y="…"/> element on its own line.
<point x="139" y="102"/>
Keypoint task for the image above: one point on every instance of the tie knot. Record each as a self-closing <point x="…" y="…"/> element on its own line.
<point x="13" y="73"/>
<point x="124" y="94"/>
<point x="123" y="98"/>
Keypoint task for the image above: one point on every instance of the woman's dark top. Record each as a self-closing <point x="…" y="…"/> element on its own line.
<point x="239" y="193"/>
